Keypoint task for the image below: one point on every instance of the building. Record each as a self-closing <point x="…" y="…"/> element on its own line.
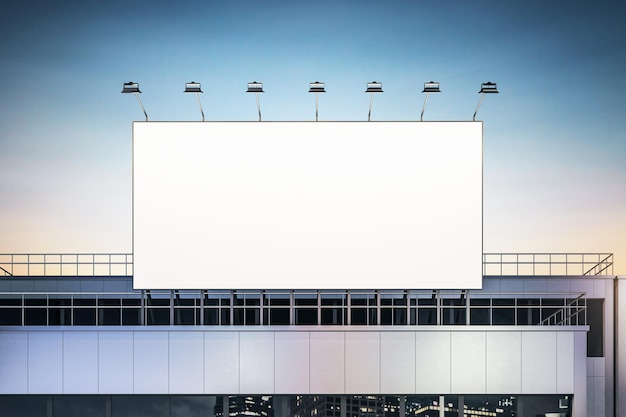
<point x="72" y="338"/>
<point x="530" y="334"/>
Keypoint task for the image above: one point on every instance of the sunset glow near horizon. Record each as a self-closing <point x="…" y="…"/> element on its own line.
<point x="554" y="138"/>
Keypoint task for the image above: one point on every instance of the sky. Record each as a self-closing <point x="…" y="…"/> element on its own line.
<point x="554" y="138"/>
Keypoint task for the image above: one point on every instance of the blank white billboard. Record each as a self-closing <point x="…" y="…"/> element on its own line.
<point x="306" y="205"/>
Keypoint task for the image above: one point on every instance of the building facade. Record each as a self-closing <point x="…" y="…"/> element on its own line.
<point x="542" y="336"/>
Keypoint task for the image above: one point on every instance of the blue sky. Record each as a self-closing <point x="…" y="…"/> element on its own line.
<point x="555" y="145"/>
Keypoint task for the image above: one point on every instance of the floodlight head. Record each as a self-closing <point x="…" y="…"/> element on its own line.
<point x="485" y="88"/>
<point x="374" y="87"/>
<point x="192" y="87"/>
<point x="431" y="87"/>
<point x="317" y="87"/>
<point x="488" y="88"/>
<point x="255" y="87"/>
<point x="131" y="87"/>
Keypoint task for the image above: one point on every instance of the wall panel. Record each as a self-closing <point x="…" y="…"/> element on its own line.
<point x="363" y="362"/>
<point x="150" y="353"/>
<point x="13" y="363"/>
<point x="432" y="362"/>
<point x="186" y="363"/>
<point x="115" y="362"/>
<point x="327" y="362"/>
<point x="80" y="362"/>
<point x="221" y="362"/>
<point x="291" y="365"/>
<point x="45" y="362"/>
<point x="397" y="362"/>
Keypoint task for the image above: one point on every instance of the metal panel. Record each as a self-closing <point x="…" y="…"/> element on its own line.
<point x="397" y="362"/>
<point x="538" y="362"/>
<point x="599" y="396"/>
<point x="504" y="362"/>
<point x="115" y="362"/>
<point x="468" y="362"/>
<point x="221" y="362"/>
<point x="580" y="375"/>
<point x="363" y="362"/>
<point x="291" y="366"/>
<point x="150" y="353"/>
<point x="327" y="362"/>
<point x="537" y="285"/>
<point x="45" y="363"/>
<point x="256" y="361"/>
<point x="13" y="363"/>
<point x="432" y="362"/>
<point x="80" y="362"/>
<point x="186" y="363"/>
<point x="565" y="362"/>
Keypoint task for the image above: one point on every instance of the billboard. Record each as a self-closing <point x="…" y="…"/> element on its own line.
<point x="307" y="205"/>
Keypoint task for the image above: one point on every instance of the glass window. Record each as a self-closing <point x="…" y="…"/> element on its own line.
<point x="503" y="316"/>
<point x="427" y="316"/>
<point x="211" y="316"/>
<point x="24" y="405"/>
<point x="595" y="320"/>
<point x="84" y="316"/>
<point x="453" y="316"/>
<point x="158" y="316"/>
<point x="528" y="316"/>
<point x="192" y="406"/>
<point x="140" y="406"/>
<point x="10" y="316"/>
<point x="131" y="316"/>
<point x="59" y="316"/>
<point x="109" y="316"/>
<point x="479" y="316"/>
<point x="279" y="316"/>
<point x="79" y="405"/>
<point x="184" y="316"/>
<point x="332" y="316"/>
<point x="358" y="316"/>
<point x="35" y="316"/>
<point x="306" y="316"/>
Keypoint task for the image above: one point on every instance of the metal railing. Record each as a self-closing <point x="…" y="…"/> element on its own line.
<point x="547" y="264"/>
<point x="292" y="308"/>
<point x="121" y="264"/>
<point x="66" y="264"/>
<point x="565" y="316"/>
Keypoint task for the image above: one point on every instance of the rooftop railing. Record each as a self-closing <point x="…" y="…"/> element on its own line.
<point x="289" y="308"/>
<point x="547" y="264"/>
<point x="66" y="264"/>
<point x="121" y="264"/>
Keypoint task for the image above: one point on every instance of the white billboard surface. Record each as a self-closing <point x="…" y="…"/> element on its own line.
<point x="306" y="205"/>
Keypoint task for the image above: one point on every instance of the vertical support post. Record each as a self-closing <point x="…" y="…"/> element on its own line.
<point x="292" y="310"/>
<point x="50" y="406"/>
<point x="258" y="105"/>
<point x="143" y="308"/>
<point x="344" y="406"/>
<point x="225" y="405"/>
<point x="202" y="308"/>
<point x="316" y="105"/>
<point x="349" y="308"/>
<point x="442" y="410"/>
<point x="424" y="107"/>
<point x="108" y="409"/>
